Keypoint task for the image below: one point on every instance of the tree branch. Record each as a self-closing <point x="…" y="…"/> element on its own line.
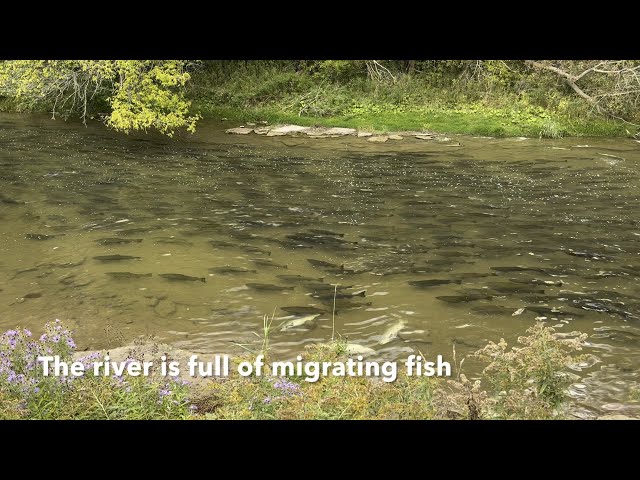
<point x="570" y="79"/>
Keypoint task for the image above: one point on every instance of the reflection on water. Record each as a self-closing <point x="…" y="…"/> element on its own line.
<point x="431" y="244"/>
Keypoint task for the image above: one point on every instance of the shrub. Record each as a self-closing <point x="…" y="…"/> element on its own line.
<point x="529" y="381"/>
<point x="26" y="393"/>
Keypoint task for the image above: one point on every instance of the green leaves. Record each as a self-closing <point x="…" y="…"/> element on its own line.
<point x="141" y="94"/>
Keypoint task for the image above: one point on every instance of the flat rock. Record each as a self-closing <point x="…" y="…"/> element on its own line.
<point x="239" y="130"/>
<point x="261" y="130"/>
<point x="424" y="137"/>
<point x="273" y="133"/>
<point x="395" y="137"/>
<point x="340" y="131"/>
<point x="364" y="134"/>
<point x="378" y="139"/>
<point x="316" y="131"/>
<point x="286" y="129"/>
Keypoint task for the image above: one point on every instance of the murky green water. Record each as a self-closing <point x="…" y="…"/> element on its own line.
<point x="564" y="211"/>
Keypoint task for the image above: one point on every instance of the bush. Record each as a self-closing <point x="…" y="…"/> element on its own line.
<point x="26" y="393"/>
<point x="529" y="381"/>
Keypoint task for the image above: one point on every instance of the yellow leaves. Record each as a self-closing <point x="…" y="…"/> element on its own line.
<point x="143" y="94"/>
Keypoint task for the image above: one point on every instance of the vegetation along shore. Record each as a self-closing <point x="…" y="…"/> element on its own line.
<point x="479" y="97"/>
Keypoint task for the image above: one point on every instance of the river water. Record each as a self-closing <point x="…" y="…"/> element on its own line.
<point x="548" y="226"/>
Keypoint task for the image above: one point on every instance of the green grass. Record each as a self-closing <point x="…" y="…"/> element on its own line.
<point x="527" y="382"/>
<point x="438" y="121"/>
<point x="532" y="375"/>
<point x="277" y="94"/>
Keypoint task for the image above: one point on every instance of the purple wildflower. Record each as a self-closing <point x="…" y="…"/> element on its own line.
<point x="287" y="387"/>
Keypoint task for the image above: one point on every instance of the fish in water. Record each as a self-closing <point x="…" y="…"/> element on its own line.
<point x="33" y="295"/>
<point x="472" y="297"/>
<point x="338" y="296"/>
<point x="117" y="241"/>
<point x="299" y="278"/>
<point x="456" y="254"/>
<point x="221" y="243"/>
<point x="9" y="201"/>
<point x="180" y="277"/>
<point x="517" y="288"/>
<point x="356" y="349"/>
<point x="127" y="275"/>
<point x="268" y="287"/>
<point x="325" y="232"/>
<point x="490" y="310"/>
<point x="469" y="275"/>
<point x="323" y="264"/>
<point x="551" y="311"/>
<point x="517" y="269"/>
<point x="590" y="255"/>
<point x="26" y="270"/>
<point x="319" y="239"/>
<point x="115" y="258"/>
<point x="229" y="269"/>
<point x="254" y="249"/>
<point x="173" y="241"/>
<point x="432" y="283"/>
<point x="268" y="263"/>
<point x="134" y="231"/>
<point x="303" y="310"/>
<point x="307" y="321"/>
<point x="325" y="286"/>
<point x="391" y="333"/>
<point x="535" y="281"/>
<point x="446" y="262"/>
<point x="40" y="236"/>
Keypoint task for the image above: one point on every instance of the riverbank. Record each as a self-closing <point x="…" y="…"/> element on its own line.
<point x="526" y="382"/>
<point x="442" y="113"/>
<point x="467" y="119"/>
<point x="442" y="103"/>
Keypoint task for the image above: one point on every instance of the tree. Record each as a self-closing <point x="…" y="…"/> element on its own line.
<point x="612" y="87"/>
<point x="139" y="94"/>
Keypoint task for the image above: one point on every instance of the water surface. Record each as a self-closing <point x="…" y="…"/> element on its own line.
<point x="563" y="211"/>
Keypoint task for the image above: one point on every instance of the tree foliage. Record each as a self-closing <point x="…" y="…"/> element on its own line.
<point x="139" y="94"/>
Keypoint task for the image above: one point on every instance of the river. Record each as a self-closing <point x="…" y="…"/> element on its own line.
<point x="500" y="225"/>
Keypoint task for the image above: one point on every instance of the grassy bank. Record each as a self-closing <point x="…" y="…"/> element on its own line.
<point x="277" y="93"/>
<point x="527" y="382"/>
<point x="488" y="98"/>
